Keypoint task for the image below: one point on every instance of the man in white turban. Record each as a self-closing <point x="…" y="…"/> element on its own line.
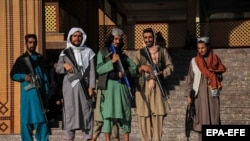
<point x="77" y="110"/>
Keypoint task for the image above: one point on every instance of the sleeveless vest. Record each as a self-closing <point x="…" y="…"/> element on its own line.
<point x="102" y="78"/>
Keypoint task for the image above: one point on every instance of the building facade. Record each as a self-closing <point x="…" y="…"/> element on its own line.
<point x="52" y="19"/>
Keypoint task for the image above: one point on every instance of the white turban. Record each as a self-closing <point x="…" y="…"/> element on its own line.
<point x="204" y="39"/>
<point x="116" y="31"/>
<point x="71" y="32"/>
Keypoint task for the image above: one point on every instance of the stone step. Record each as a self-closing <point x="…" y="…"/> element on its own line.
<point x="235" y="97"/>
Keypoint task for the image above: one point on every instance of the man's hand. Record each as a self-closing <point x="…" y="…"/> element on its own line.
<point x="120" y="74"/>
<point x="188" y="101"/>
<point x="90" y="91"/>
<point x="68" y="68"/>
<point x="145" y="68"/>
<point x="28" y="78"/>
<point x="115" y="58"/>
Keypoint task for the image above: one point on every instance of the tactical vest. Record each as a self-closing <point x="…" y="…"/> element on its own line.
<point x="102" y="78"/>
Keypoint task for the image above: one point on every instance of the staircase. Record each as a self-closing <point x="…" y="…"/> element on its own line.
<point x="235" y="97"/>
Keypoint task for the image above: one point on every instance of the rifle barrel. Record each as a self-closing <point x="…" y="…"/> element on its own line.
<point x="123" y="73"/>
<point x="34" y="79"/>
<point x="156" y="71"/>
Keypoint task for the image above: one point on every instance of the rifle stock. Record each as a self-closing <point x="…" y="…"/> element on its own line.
<point x="36" y="83"/>
<point x="69" y="53"/>
<point x="156" y="71"/>
<point x="121" y="69"/>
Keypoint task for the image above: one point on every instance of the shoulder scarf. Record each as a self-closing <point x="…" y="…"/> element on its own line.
<point x="209" y="69"/>
<point x="197" y="76"/>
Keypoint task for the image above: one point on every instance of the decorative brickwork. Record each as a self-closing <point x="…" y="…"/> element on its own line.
<point x="230" y="33"/>
<point x="226" y="33"/>
<point x="17" y="19"/>
<point x="222" y="34"/>
<point x="104" y="32"/>
<point x="174" y="34"/>
<point x="51" y="17"/>
<point x="22" y="17"/>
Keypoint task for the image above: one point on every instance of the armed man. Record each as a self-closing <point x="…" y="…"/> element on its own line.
<point x="154" y="64"/>
<point x="29" y="70"/>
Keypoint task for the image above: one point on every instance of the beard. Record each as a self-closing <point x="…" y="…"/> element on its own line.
<point x="32" y="49"/>
<point x="149" y="45"/>
<point x="76" y="43"/>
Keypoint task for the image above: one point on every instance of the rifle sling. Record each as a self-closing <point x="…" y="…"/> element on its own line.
<point x="144" y="60"/>
<point x="69" y="53"/>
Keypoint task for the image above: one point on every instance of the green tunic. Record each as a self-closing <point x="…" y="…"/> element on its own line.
<point x="115" y="99"/>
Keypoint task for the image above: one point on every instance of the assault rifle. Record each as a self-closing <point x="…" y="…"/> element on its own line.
<point x="121" y="69"/>
<point x="190" y="112"/>
<point x="156" y="71"/>
<point x="35" y="83"/>
<point x="79" y="74"/>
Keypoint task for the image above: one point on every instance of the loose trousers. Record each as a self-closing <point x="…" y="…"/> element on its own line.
<point x="150" y="127"/>
<point x="40" y="131"/>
